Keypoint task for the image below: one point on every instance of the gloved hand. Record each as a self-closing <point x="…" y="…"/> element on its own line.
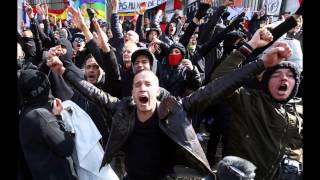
<point x="203" y="7"/>
<point x="166" y="106"/>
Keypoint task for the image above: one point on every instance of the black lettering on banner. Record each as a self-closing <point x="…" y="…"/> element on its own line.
<point x="273" y="6"/>
<point x="123" y="6"/>
<point x="131" y="5"/>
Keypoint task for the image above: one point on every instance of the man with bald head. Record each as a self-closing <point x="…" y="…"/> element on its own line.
<point x="152" y="133"/>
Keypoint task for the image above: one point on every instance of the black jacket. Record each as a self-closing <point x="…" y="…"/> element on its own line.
<point x="108" y="62"/>
<point x="106" y="82"/>
<point x="79" y="58"/>
<point x="178" y="79"/>
<point x="117" y="39"/>
<point x="47" y="145"/>
<point x="175" y="124"/>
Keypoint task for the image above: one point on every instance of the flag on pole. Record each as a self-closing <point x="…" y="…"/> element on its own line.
<point x="99" y="7"/>
<point x="58" y="8"/>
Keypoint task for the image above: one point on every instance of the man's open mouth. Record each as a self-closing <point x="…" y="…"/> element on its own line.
<point x="90" y="76"/>
<point x="143" y="99"/>
<point x="283" y="87"/>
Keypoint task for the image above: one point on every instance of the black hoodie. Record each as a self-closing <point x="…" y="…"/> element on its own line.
<point x="45" y="141"/>
<point x="177" y="79"/>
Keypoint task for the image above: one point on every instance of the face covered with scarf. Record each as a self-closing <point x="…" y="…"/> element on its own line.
<point x="177" y="52"/>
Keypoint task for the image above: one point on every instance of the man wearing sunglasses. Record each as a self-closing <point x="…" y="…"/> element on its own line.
<point x="80" y="52"/>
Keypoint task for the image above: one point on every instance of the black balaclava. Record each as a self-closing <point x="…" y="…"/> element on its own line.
<point x="283" y="65"/>
<point x="29" y="47"/>
<point x="65" y="43"/>
<point x="34" y="87"/>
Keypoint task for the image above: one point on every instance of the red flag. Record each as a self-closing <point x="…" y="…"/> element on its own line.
<point x="162" y="6"/>
<point x="177" y="4"/>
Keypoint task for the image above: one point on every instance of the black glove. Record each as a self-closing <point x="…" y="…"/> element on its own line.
<point x="277" y="32"/>
<point x="90" y="13"/>
<point x="202" y="10"/>
<point x="166" y="105"/>
<point x="91" y="16"/>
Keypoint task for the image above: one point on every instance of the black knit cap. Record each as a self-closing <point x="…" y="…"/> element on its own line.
<point x="78" y="35"/>
<point x="142" y="51"/>
<point x="178" y="46"/>
<point x="283" y="65"/>
<point x="230" y="38"/>
<point x="33" y="84"/>
<point x="153" y="27"/>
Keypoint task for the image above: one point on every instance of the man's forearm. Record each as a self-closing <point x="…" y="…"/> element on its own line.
<point x="220" y="87"/>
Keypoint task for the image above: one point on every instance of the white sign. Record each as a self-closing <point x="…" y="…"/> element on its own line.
<point x="133" y="5"/>
<point x="273" y="7"/>
<point x="234" y="12"/>
<point x="292" y="6"/>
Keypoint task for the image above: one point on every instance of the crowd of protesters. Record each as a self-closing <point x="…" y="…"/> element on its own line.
<point x="148" y="85"/>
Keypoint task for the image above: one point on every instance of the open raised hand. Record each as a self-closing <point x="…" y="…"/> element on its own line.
<point x="100" y="37"/>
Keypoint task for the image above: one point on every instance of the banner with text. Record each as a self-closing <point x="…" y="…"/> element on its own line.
<point x="133" y="5"/>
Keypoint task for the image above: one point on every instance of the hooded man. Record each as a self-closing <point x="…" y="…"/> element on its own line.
<point x="270" y="120"/>
<point x="178" y="74"/>
<point x="281" y="90"/>
<point x="28" y="46"/>
<point x="46" y="142"/>
<point x="143" y="59"/>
